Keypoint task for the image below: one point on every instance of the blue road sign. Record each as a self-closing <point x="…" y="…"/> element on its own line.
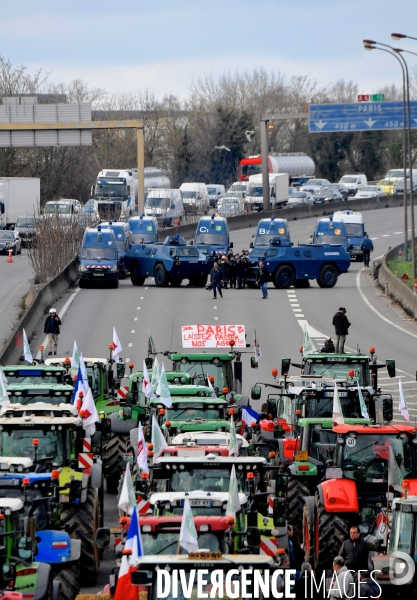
<point x="359" y="116"/>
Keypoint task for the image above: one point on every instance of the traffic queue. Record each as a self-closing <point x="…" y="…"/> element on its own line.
<point x="114" y="250"/>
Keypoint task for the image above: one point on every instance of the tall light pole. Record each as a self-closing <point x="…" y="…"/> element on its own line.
<point x="370" y="45"/>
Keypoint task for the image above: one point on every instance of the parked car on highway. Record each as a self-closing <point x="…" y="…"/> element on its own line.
<point x="325" y="195"/>
<point x="399" y="188"/>
<point x="354" y="182"/>
<point x="341" y="188"/>
<point x="314" y="184"/>
<point x="215" y="191"/>
<point x="299" y="198"/>
<point x="388" y="185"/>
<point x="26" y="228"/>
<point x="371" y="191"/>
<point x="10" y="240"/>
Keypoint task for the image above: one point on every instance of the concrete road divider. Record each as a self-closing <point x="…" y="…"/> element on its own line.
<point x="394" y="286"/>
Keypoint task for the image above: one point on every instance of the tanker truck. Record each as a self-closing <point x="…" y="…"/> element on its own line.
<point x="298" y="166"/>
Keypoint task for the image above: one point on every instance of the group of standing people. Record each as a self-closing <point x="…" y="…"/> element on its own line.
<point x="230" y="270"/>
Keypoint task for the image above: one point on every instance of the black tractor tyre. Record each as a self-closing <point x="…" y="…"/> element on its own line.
<point x="113" y="450"/>
<point x="82" y="522"/>
<point x="68" y="576"/>
<point x="135" y="277"/>
<point x="297" y="489"/>
<point x="308" y="532"/>
<point x="328" y="276"/>
<point x="331" y="530"/>
<point x="283" y="277"/>
<point x="161" y="276"/>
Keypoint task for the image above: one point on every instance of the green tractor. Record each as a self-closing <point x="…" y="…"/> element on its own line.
<point x="54" y="439"/>
<point x="49" y="393"/>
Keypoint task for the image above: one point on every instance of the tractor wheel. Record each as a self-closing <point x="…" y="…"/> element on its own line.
<point x="308" y="531"/>
<point x="135" y="277"/>
<point x="328" y="276"/>
<point x="331" y="530"/>
<point x="82" y="522"/>
<point x="113" y="466"/>
<point x="297" y="489"/>
<point x="68" y="576"/>
<point x="161" y="275"/>
<point x="283" y="277"/>
<point x="175" y="282"/>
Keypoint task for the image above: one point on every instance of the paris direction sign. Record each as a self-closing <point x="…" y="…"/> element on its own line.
<point x="359" y="116"/>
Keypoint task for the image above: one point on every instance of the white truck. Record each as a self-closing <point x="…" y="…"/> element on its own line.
<point x="116" y="190"/>
<point x="278" y="191"/>
<point x="19" y="197"/>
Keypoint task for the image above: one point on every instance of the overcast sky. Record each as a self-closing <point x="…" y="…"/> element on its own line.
<point x="130" y="45"/>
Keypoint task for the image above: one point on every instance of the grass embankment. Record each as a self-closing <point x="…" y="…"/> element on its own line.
<point x="401" y="267"/>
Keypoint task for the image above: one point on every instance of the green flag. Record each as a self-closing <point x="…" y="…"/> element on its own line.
<point x="364" y="410"/>
<point x="163" y="389"/>
<point x="307" y="345"/>
<point x="127" y="500"/>
<point x="151" y="344"/>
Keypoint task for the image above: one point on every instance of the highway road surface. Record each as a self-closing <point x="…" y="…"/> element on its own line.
<point x="15" y="285"/>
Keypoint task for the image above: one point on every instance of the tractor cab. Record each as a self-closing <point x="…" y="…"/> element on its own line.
<point x="194" y="414"/>
<point x="53" y="393"/>
<point x="216" y="440"/>
<point x="35" y="374"/>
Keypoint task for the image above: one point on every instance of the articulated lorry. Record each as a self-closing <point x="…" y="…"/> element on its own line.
<point x="19" y="197"/>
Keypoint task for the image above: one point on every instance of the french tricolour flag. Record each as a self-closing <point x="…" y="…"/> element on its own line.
<point x="125" y="590"/>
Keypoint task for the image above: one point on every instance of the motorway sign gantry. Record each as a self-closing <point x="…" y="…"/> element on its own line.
<point x="359" y="116"/>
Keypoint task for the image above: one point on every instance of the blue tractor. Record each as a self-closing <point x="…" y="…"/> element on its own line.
<point x="296" y="265"/>
<point x="212" y="236"/>
<point x="169" y="262"/>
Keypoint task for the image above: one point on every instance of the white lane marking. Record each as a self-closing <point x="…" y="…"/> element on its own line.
<point x="397" y="232"/>
<point x="215" y="307"/>
<point x="62" y="313"/>
<point x="294" y="305"/>
<point x="358" y="285"/>
<point x="216" y="318"/>
<point x="141" y="297"/>
<point x="386" y="235"/>
<point x="127" y="360"/>
<point x="138" y="308"/>
<point x="374" y="238"/>
<point x="135" y="319"/>
<point x="130" y="345"/>
<point x="133" y="331"/>
<point x="300" y="317"/>
<point x="296" y="310"/>
<point x="146" y="288"/>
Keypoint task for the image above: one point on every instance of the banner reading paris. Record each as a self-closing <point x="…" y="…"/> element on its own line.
<point x="213" y="336"/>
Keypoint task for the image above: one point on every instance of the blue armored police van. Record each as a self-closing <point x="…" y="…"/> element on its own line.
<point x="169" y="262"/>
<point x="144" y="229"/>
<point x="330" y="231"/>
<point x="269" y="229"/>
<point x="98" y="260"/>
<point x="123" y="237"/>
<point x="212" y="236"/>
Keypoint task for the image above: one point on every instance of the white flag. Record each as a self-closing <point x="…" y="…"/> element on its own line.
<point x="188" y="534"/>
<point x="127" y="500"/>
<point x="75" y="358"/>
<point x="364" y="410"/>
<point x="90" y="415"/>
<point x="233" y="447"/>
<point x="337" y="408"/>
<point x="256" y="347"/>
<point x="156" y="373"/>
<point x="158" y="440"/>
<point x="4" y="397"/>
<point x="163" y="389"/>
<point x="142" y="456"/>
<point x="83" y="368"/>
<point x="307" y="345"/>
<point x="210" y="386"/>
<point x="146" y="382"/>
<point x="117" y="346"/>
<point x="403" y="402"/>
<point x="26" y="349"/>
<point x="233" y="502"/>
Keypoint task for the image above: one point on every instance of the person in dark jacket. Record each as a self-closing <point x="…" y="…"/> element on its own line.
<point x="366" y="247"/>
<point x="224" y="268"/>
<point x="368" y="588"/>
<point x="245" y="266"/>
<point x="355" y="550"/>
<point x="232" y="270"/>
<point x="341" y="326"/>
<point x="263" y="277"/>
<point x="51" y="329"/>
<point x="216" y="279"/>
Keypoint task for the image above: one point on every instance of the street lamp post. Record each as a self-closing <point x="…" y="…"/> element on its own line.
<point x="370" y="45"/>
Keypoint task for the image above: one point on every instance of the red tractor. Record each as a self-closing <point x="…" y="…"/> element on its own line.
<point x="356" y="479"/>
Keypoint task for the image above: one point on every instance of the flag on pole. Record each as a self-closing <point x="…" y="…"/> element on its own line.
<point x="26" y="349"/>
<point x="256" y="347"/>
<point x="146" y="382"/>
<point x="117" y="346"/>
<point x="75" y="358"/>
<point x="127" y="500"/>
<point x="210" y="386"/>
<point x="151" y="345"/>
<point x="233" y="447"/>
<point x="163" y="389"/>
<point x="142" y="456"/>
<point x="90" y="415"/>
<point x="233" y="502"/>
<point x="402" y="403"/>
<point x="124" y="589"/>
<point x="394" y="472"/>
<point x="4" y="397"/>
<point x="188" y="534"/>
<point x="249" y="415"/>
<point x="364" y="410"/>
<point x="158" y="440"/>
<point x="79" y="386"/>
<point x="307" y="344"/>
<point x="156" y="373"/>
<point x="337" y="408"/>
<point x="84" y="371"/>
